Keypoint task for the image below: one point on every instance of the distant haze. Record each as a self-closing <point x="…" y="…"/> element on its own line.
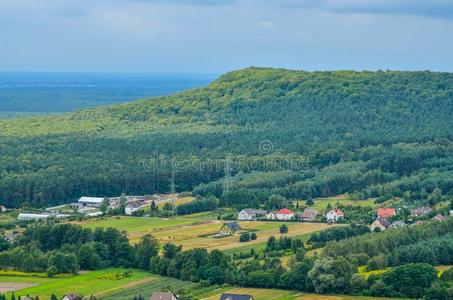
<point x="22" y="92"/>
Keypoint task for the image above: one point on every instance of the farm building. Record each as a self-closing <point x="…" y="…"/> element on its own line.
<point x="230" y="228"/>
<point x="30" y="217"/>
<point x="284" y="214"/>
<point x="164" y="296"/>
<point x="226" y="296"/>
<point x="309" y="214"/>
<point x="381" y="223"/>
<point x="334" y="215"/>
<point x="386" y="212"/>
<point x="251" y="214"/>
<point x="90" y="201"/>
<point x="133" y="206"/>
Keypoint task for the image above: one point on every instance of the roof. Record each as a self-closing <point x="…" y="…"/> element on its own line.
<point x="384" y="222"/>
<point x="91" y="199"/>
<point x="397" y="224"/>
<point x="337" y="212"/>
<point x="162" y="296"/>
<point x="226" y="296"/>
<point x="310" y="210"/>
<point x="285" y="211"/>
<point x="439" y="217"/>
<point x="421" y="210"/>
<point x="252" y="211"/>
<point x="135" y="204"/>
<point x="232" y="225"/>
<point x="72" y="297"/>
<point x="386" y="212"/>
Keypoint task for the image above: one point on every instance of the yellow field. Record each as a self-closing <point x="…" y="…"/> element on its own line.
<point x="192" y="233"/>
<point x="178" y="201"/>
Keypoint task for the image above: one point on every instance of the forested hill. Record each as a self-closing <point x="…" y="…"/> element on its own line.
<point x="336" y="125"/>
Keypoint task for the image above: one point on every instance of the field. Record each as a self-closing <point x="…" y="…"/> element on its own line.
<point x="271" y="294"/>
<point x="321" y="203"/>
<point x="193" y="232"/>
<point x="96" y="282"/>
<point x="362" y="270"/>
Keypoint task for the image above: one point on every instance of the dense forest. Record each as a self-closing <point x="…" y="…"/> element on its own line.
<point x="292" y="133"/>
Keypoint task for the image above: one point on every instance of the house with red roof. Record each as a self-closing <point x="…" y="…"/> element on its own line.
<point x="334" y="215"/>
<point x="386" y="212"/>
<point x="284" y="214"/>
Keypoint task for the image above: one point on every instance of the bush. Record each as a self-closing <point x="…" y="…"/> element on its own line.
<point x="447" y="275"/>
<point x="253" y="236"/>
<point x="378" y="262"/>
<point x="283" y="229"/>
<point x="51" y="271"/>
<point x="245" y="237"/>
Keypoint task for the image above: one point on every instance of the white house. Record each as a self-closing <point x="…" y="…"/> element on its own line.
<point x="90" y="201"/>
<point x="285" y="214"/>
<point x="451" y="213"/>
<point x="251" y="214"/>
<point x="334" y="215"/>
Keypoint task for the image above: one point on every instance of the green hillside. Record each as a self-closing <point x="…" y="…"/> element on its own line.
<point x="378" y="133"/>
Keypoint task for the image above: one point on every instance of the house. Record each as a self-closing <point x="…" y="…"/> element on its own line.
<point x="133" y="206"/>
<point x="381" y="223"/>
<point x="309" y="214"/>
<point x="397" y="224"/>
<point x="439" y="218"/>
<point x="230" y="228"/>
<point x="2" y="208"/>
<point x="334" y="215"/>
<point x="30" y="217"/>
<point x="226" y="296"/>
<point x="451" y="213"/>
<point x="284" y="214"/>
<point x="251" y="214"/>
<point x="386" y="212"/>
<point x="163" y="296"/>
<point x="71" y="297"/>
<point x="271" y="215"/>
<point x="421" y="211"/>
<point x="90" y="201"/>
<point x="94" y="214"/>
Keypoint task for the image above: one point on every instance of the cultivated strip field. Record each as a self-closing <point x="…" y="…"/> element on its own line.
<point x="272" y="294"/>
<point x="192" y="233"/>
<point x="95" y="282"/>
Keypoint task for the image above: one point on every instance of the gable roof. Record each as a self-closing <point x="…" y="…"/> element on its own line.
<point x="384" y="222"/>
<point x="285" y="211"/>
<point x="386" y="212"/>
<point x="337" y="212"/>
<point x="226" y="296"/>
<point x="232" y="225"/>
<point x="162" y="296"/>
<point x="439" y="217"/>
<point x="251" y="211"/>
<point x="420" y="211"/>
<point x="397" y="224"/>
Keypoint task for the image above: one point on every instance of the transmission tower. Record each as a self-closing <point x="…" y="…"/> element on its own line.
<point x="173" y="193"/>
<point x="227" y="184"/>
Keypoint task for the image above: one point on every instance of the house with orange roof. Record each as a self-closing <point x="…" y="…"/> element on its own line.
<point x="386" y="212"/>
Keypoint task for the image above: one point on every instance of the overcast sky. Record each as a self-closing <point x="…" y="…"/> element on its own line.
<point x="220" y="35"/>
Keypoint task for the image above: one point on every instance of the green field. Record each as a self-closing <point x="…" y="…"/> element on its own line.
<point x="321" y="203"/>
<point x="96" y="282"/>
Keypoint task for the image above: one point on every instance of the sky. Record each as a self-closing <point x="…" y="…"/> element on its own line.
<point x="215" y="36"/>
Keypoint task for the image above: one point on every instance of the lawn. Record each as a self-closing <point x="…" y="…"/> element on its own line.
<point x="96" y="282"/>
<point x="193" y="232"/>
<point x="321" y="203"/>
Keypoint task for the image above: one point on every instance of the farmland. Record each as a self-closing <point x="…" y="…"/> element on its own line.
<point x="193" y="232"/>
<point x="320" y="204"/>
<point x="96" y="282"/>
